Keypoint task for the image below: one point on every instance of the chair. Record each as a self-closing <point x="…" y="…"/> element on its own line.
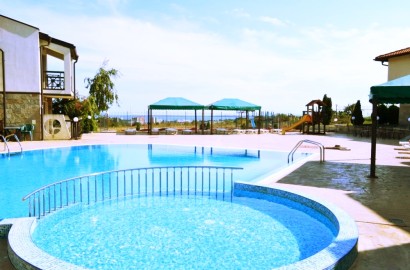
<point x="27" y="129"/>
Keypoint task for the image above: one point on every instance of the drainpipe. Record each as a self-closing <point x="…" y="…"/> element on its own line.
<point x="4" y="87"/>
<point x="74" y="83"/>
<point x="42" y="88"/>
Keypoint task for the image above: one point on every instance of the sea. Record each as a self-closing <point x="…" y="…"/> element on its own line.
<point x="180" y="118"/>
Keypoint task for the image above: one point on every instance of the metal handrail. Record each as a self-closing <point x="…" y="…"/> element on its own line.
<point x="97" y="187"/>
<point x="6" y="138"/>
<point x="321" y="147"/>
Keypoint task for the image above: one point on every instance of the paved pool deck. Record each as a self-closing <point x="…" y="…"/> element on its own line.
<point x="379" y="206"/>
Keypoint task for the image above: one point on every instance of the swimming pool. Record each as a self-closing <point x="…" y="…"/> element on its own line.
<point x="150" y="233"/>
<point x="24" y="173"/>
<point x="185" y="232"/>
<point x="338" y="248"/>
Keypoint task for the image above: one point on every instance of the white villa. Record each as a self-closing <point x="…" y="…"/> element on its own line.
<point x="27" y="86"/>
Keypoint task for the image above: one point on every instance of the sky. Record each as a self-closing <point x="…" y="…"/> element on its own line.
<point x="276" y="54"/>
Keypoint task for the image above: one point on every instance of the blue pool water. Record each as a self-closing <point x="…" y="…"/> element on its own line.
<point x="21" y="174"/>
<point x="182" y="233"/>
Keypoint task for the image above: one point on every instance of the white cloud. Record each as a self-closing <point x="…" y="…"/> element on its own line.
<point x="273" y="21"/>
<point x="281" y="71"/>
<point x="240" y="12"/>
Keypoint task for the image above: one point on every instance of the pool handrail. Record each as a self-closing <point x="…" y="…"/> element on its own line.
<point x="44" y="200"/>
<point x="5" y="140"/>
<point x="321" y="147"/>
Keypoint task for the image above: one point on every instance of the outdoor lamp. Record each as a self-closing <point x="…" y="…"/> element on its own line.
<point x="75" y="119"/>
<point x="408" y="119"/>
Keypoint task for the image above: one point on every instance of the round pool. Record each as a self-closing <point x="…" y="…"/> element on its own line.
<point x="262" y="228"/>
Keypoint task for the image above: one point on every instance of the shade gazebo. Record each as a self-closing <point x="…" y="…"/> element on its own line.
<point x="174" y="103"/>
<point x="233" y="104"/>
<point x="396" y="91"/>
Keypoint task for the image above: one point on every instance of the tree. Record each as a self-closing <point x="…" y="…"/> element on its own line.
<point x="393" y="115"/>
<point x="327" y="110"/>
<point x="357" y="115"/>
<point x="88" y="111"/>
<point x="84" y="108"/>
<point x="69" y="107"/>
<point x="102" y="87"/>
<point x="382" y="114"/>
<point x="349" y="109"/>
<point x="347" y="113"/>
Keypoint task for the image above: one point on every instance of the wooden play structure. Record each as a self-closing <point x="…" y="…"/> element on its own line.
<point x="311" y="121"/>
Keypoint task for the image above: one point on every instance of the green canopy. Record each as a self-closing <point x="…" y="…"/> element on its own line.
<point x="396" y="91"/>
<point x="175" y="103"/>
<point x="233" y="104"/>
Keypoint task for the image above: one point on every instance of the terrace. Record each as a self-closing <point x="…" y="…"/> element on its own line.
<point x="378" y="206"/>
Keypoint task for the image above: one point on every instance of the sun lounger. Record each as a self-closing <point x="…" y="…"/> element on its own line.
<point x="405" y="141"/>
<point x="222" y="131"/>
<point x="155" y="131"/>
<point x="130" y="131"/>
<point x="238" y="131"/>
<point x="171" y="131"/>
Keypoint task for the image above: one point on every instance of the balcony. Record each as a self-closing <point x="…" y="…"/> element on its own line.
<point x="54" y="80"/>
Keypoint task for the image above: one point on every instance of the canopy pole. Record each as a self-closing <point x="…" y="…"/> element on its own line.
<point x="149" y="121"/>
<point x="259" y="122"/>
<point x="212" y="120"/>
<point x="373" y="141"/>
<point x="203" y="123"/>
<point x="196" y="124"/>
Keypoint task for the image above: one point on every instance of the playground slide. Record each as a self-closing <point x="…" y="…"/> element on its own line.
<point x="304" y="119"/>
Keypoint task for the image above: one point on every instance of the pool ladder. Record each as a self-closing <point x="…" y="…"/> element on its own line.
<point x="321" y="147"/>
<point x="5" y="140"/>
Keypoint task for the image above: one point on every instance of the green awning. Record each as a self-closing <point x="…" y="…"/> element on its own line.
<point x="176" y="103"/>
<point x="396" y="91"/>
<point x="233" y="104"/>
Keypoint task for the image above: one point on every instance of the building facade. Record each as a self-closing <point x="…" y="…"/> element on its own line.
<point x="27" y="86"/>
<point x="398" y="63"/>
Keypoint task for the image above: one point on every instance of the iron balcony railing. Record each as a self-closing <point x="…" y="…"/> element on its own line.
<point x="163" y="181"/>
<point x="54" y="80"/>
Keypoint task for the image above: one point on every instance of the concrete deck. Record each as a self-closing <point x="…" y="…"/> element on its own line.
<point x="380" y="207"/>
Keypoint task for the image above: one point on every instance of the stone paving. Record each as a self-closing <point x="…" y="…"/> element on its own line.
<point x="380" y="206"/>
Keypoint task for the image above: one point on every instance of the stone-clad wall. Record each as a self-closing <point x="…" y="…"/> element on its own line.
<point x="23" y="109"/>
<point x="1" y="107"/>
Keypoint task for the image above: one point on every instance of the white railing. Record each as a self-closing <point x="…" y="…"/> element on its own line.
<point x="163" y="181"/>
<point x="321" y="149"/>
<point x="5" y="139"/>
